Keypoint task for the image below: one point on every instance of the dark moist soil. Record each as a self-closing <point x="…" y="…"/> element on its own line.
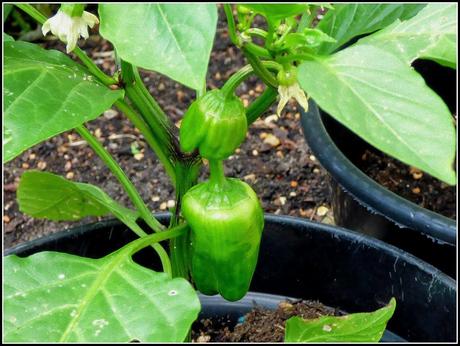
<point x="260" y="324"/>
<point x="274" y="159"/>
<point x="410" y="183"/>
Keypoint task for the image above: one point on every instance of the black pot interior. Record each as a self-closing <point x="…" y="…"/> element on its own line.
<point x="307" y="260"/>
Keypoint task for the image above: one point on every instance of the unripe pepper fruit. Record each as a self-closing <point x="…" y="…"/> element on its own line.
<point x="226" y="222"/>
<point x="215" y="124"/>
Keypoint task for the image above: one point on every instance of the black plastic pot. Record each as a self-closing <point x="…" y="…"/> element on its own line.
<point x="304" y="259"/>
<point x="361" y="204"/>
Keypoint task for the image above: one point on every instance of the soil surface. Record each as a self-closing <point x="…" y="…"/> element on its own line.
<point x="410" y="183"/>
<point x="260" y="324"/>
<point x="274" y="160"/>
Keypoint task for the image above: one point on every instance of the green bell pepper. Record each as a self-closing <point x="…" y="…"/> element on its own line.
<point x="214" y="124"/>
<point x="226" y="222"/>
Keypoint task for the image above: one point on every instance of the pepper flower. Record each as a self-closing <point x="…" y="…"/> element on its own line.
<point x="289" y="88"/>
<point x="69" y="28"/>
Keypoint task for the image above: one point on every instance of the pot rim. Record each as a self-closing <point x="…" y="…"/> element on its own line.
<point x="300" y="223"/>
<point x="366" y="191"/>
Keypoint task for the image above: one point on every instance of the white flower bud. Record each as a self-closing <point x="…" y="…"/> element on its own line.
<point x="68" y="28"/>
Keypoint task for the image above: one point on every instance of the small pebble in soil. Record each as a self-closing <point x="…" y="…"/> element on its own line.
<point x="139" y="156"/>
<point x="272" y="140"/>
<point x="68" y="166"/>
<point x="41" y="165"/>
<point x="250" y="177"/>
<point x="322" y="210"/>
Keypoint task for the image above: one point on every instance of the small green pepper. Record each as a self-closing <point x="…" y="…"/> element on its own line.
<point x="214" y="124"/>
<point x="226" y="222"/>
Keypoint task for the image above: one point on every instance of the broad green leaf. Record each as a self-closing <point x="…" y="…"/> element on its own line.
<point x="357" y="327"/>
<point x="46" y="93"/>
<point x="277" y="11"/>
<point x="384" y="101"/>
<point x="431" y="34"/>
<point x="57" y="297"/>
<point x="7" y="38"/>
<point x="308" y="38"/>
<point x="350" y="20"/>
<point x="50" y="196"/>
<point x="444" y="52"/>
<point x="173" y="39"/>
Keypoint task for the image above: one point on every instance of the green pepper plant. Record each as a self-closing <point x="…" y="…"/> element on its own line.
<point x="216" y="227"/>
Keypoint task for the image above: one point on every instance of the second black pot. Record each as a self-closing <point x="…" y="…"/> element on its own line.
<point x="308" y="260"/>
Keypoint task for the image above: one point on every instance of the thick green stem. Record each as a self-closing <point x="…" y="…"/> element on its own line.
<point x="154" y="121"/>
<point x="187" y="171"/>
<point x="122" y="178"/>
<point x="139" y="122"/>
<point x="133" y="83"/>
<point x="92" y="67"/>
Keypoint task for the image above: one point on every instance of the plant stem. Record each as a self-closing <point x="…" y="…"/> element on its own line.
<point x="139" y="244"/>
<point x="216" y="168"/>
<point x="122" y="178"/>
<point x="139" y="122"/>
<point x="256" y="32"/>
<point x="154" y="122"/>
<point x="33" y="12"/>
<point x="92" y="67"/>
<point x="259" y="69"/>
<point x="164" y="258"/>
<point x="187" y="171"/>
<point x="257" y="50"/>
<point x="231" y="24"/>
<point x="200" y="92"/>
<point x="242" y="74"/>
<point x="261" y="104"/>
<point x="133" y="81"/>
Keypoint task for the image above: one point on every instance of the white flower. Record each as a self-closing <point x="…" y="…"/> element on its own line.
<point x="68" y="28"/>
<point x="291" y="91"/>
